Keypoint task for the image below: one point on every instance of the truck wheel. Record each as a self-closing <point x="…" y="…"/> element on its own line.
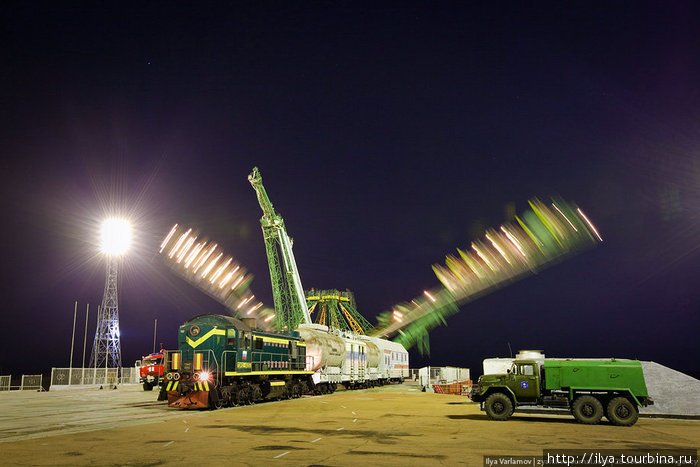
<point x="147" y="386"/>
<point x="498" y="407"/>
<point x="622" y="412"/>
<point x="587" y="410"/>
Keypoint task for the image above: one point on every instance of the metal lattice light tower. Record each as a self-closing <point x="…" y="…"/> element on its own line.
<point x="106" y="348"/>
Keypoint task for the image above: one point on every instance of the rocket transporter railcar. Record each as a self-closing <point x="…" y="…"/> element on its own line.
<point x="224" y="361"/>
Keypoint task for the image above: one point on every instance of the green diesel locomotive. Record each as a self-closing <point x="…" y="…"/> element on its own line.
<point x="224" y="361"/>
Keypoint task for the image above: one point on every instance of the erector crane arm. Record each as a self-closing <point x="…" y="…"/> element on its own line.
<point x="287" y="291"/>
<point x="255" y="179"/>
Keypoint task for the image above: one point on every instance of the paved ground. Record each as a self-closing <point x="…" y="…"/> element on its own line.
<point x="396" y="425"/>
<point x="29" y="414"/>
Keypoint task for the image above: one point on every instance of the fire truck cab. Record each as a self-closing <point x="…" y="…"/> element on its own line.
<point x="152" y="370"/>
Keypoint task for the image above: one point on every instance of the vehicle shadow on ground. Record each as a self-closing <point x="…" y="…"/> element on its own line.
<point x="529" y="419"/>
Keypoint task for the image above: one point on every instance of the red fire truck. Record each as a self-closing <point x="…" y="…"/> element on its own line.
<point x="152" y="370"/>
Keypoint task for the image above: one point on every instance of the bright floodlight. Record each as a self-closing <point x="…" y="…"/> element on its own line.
<point x="115" y="235"/>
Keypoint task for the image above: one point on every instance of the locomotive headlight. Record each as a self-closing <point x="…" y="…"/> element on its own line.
<point x="204" y="376"/>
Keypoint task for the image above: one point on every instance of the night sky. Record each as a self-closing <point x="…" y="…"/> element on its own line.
<point x="387" y="133"/>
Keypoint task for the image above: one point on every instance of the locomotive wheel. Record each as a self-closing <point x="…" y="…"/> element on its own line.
<point x="234" y="396"/>
<point x="226" y="398"/>
<point x="587" y="410"/>
<point x="243" y="396"/>
<point x="622" y="412"/>
<point x="216" y="404"/>
<point x="218" y="399"/>
<point x="296" y="390"/>
<point x="304" y="388"/>
<point x="255" y="393"/>
<point x="331" y="387"/>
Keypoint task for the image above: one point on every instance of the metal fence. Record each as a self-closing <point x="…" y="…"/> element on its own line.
<point x="5" y="383"/>
<point x="31" y="382"/>
<point x="67" y="377"/>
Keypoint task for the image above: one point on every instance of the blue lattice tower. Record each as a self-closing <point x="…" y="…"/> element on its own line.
<point x="106" y="348"/>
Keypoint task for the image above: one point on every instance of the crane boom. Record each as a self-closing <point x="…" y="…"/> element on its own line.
<point x="287" y="291"/>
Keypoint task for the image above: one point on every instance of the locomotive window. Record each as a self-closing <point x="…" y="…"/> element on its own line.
<point x="258" y="344"/>
<point x="231" y="342"/>
<point x="527" y="370"/>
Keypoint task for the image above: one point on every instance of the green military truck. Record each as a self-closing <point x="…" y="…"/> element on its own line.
<point x="589" y="388"/>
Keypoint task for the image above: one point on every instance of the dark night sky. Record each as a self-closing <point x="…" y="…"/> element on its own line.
<point x="387" y="134"/>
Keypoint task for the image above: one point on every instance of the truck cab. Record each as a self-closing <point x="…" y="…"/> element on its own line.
<point x="521" y="384"/>
<point x="525" y="381"/>
<point x="151" y="370"/>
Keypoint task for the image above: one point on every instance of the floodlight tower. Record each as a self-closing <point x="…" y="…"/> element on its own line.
<point x="106" y="348"/>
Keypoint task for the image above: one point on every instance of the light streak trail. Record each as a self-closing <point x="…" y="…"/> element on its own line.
<point x="590" y="224"/>
<point x="564" y="216"/>
<point x="167" y="238"/>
